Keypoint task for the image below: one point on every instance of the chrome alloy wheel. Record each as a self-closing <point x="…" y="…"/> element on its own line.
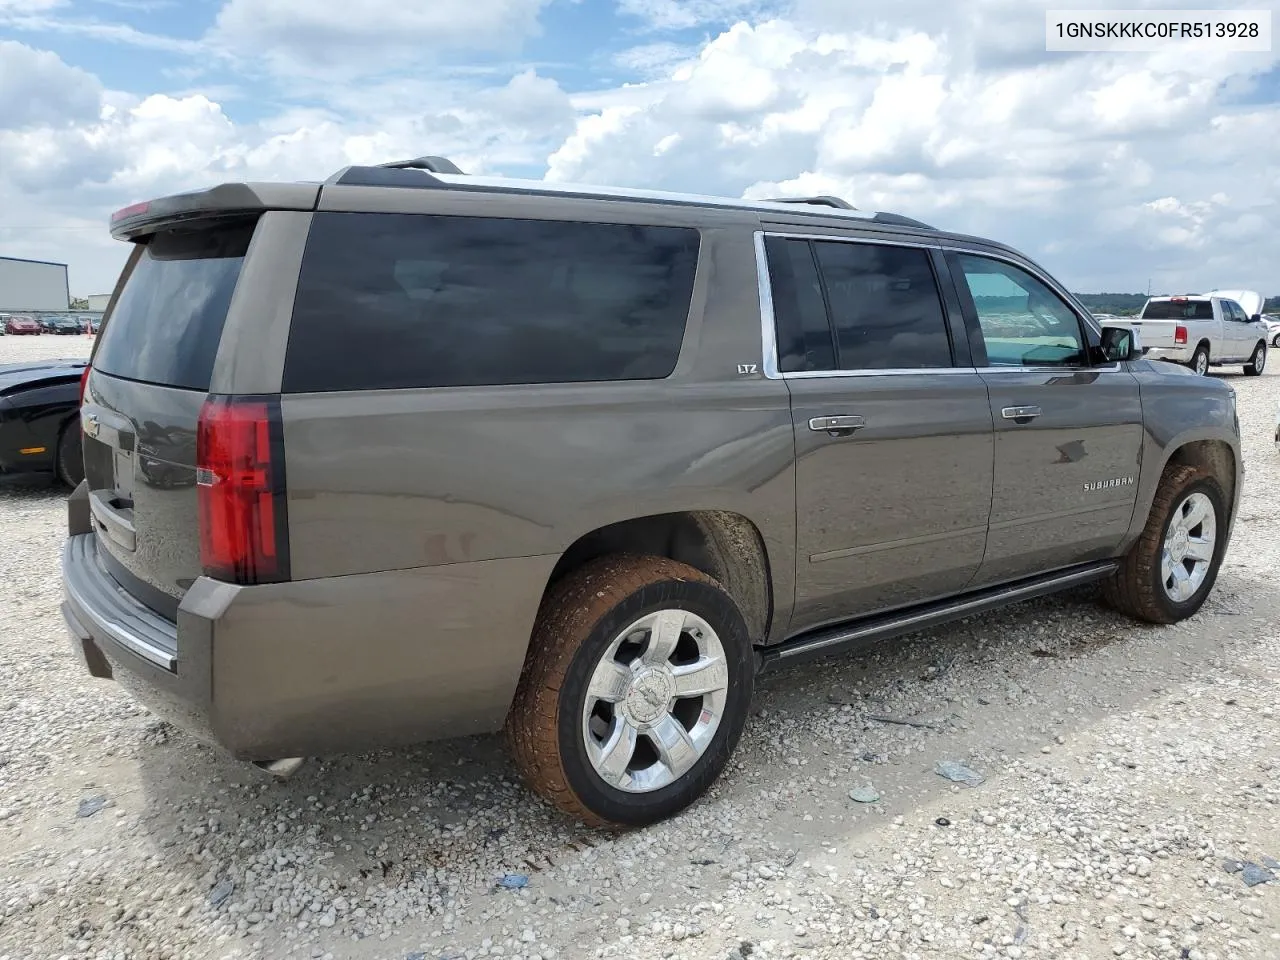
<point x="655" y="701"/>
<point x="1188" y="547"/>
<point x="1201" y="361"/>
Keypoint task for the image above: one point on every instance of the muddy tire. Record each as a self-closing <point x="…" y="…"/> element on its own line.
<point x="634" y="692"/>
<point x="1167" y="574"/>
<point x="69" y="464"/>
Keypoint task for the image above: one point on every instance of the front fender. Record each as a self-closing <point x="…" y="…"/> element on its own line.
<point x="1178" y="411"/>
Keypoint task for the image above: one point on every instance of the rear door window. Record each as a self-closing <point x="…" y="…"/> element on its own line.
<point x="885" y="307"/>
<point x="391" y="301"/>
<point x="168" y="319"/>
<point x="842" y="305"/>
<point x="799" y="307"/>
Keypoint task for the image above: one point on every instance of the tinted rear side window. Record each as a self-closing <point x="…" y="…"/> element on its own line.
<point x="1178" y="310"/>
<point x="169" y="317"/>
<point x="885" y="307"/>
<point x="409" y="300"/>
<point x="800" y="312"/>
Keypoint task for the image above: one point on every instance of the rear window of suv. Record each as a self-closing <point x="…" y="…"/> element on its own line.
<point x="168" y="319"/>
<point x="1178" y="310"/>
<point x="391" y="301"/>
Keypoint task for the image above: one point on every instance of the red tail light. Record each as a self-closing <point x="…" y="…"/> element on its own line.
<point x="1179" y="334"/>
<point x="240" y="489"/>
<point x="133" y="210"/>
<point x="84" y="382"/>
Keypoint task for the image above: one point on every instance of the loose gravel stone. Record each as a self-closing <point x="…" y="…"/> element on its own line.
<point x="1162" y="765"/>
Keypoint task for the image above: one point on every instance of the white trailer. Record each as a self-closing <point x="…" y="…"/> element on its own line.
<point x="33" y="286"/>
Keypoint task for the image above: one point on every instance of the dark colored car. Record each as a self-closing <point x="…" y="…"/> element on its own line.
<point x="596" y="459"/>
<point x="39" y="421"/>
<point x="21" y="325"/>
<point x="63" y="326"/>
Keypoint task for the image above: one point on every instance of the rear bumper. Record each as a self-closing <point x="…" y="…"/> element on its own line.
<point x="316" y="666"/>
<point x="1172" y="354"/>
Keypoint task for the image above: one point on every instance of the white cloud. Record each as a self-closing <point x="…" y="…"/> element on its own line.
<point x="653" y="60"/>
<point x="913" y="108"/>
<point x="1112" y="169"/>
<point x="120" y="33"/>
<point x="29" y="6"/>
<point x="331" y="37"/>
<point x="684" y="14"/>
<point x="62" y="179"/>
<point x="36" y="87"/>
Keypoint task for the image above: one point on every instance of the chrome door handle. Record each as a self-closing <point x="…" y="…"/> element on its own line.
<point x="837" y="426"/>
<point x="1020" y="413"/>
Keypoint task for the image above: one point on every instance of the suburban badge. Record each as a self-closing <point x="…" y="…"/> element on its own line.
<point x="1108" y="484"/>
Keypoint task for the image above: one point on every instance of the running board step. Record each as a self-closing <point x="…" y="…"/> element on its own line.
<point x="864" y="633"/>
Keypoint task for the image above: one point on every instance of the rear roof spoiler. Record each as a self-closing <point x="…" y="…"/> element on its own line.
<point x="225" y="200"/>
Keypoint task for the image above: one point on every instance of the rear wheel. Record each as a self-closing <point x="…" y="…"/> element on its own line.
<point x="1275" y="341"/>
<point x="634" y="693"/>
<point x="70" y="460"/>
<point x="1200" y="360"/>
<point x="1257" y="362"/>
<point x="1169" y="572"/>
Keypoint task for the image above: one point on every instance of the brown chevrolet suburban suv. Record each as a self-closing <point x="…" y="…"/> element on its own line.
<point x="410" y="454"/>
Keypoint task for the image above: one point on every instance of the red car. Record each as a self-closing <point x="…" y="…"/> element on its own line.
<point x="20" y="325"/>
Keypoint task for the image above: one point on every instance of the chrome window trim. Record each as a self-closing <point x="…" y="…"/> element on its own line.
<point x="768" y="322"/>
<point x="1112" y="368"/>
<point x="877" y="372"/>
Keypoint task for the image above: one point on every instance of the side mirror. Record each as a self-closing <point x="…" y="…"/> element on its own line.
<point x="1256" y="318"/>
<point x="1121" y="344"/>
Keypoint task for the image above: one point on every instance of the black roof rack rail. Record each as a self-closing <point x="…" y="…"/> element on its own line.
<point x="430" y="164"/>
<point x="816" y="201"/>
<point x="899" y="220"/>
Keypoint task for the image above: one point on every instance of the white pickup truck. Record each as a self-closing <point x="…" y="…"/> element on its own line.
<point x="1205" y="330"/>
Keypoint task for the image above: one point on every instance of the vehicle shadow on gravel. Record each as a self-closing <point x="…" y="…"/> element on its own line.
<point x="447" y="819"/>
<point x="36" y="488"/>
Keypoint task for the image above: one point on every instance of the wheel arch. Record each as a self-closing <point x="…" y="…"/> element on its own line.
<point x="723" y="544"/>
<point x="1215" y="457"/>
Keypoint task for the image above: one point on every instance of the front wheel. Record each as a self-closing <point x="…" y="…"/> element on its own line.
<point x="1257" y="362"/>
<point x="1167" y="575"/>
<point x="634" y="692"/>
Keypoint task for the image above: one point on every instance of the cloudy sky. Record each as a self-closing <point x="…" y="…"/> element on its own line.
<point x="1110" y="169"/>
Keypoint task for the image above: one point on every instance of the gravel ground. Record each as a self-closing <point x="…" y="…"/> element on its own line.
<point x="1129" y="771"/>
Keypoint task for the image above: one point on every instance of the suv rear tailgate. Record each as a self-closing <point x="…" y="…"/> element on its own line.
<point x="151" y="373"/>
